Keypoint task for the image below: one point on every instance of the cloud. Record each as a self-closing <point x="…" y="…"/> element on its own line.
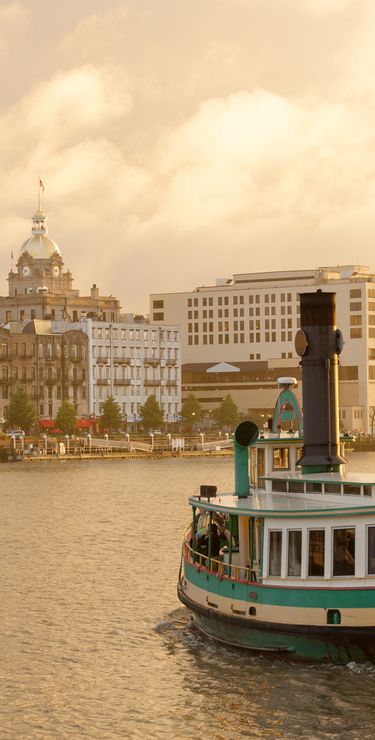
<point x="176" y="147"/>
<point x="14" y="19"/>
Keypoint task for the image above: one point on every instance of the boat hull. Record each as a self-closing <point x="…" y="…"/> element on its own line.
<point x="330" y="644"/>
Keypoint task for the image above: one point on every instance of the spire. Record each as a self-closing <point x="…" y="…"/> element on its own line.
<point x="39" y="217"/>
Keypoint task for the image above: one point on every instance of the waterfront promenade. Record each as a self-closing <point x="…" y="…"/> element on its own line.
<point x="58" y="449"/>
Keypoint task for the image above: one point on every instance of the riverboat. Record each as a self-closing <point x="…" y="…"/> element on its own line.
<point x="285" y="564"/>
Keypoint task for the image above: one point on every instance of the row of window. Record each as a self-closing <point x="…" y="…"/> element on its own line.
<point x="239" y="312"/>
<point x="224" y="300"/>
<point x="253" y="338"/>
<point x="342" y="557"/>
<point x="50" y="351"/>
<point x="169" y="335"/>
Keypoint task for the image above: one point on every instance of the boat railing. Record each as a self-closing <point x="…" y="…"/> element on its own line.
<point x="219" y="567"/>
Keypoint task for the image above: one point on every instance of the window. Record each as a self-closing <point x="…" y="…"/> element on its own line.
<point x="316" y="553"/>
<point x="344" y="551"/>
<point x="371" y="551"/>
<point x="355" y="293"/>
<point x="274" y="563"/>
<point x="280" y="458"/>
<point x="294" y="552"/>
<point x="357" y="306"/>
<point x="356" y="333"/>
<point x="158" y="316"/>
<point x="158" y="304"/>
<point x="355" y="320"/>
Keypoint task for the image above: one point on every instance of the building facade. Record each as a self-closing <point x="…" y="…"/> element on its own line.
<point x="249" y="322"/>
<point x="50" y="366"/>
<point x="131" y="361"/>
<point x="40" y="289"/>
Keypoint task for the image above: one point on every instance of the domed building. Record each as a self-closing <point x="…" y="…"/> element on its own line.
<point x="40" y="289"/>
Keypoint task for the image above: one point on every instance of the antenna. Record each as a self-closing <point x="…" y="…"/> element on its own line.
<point x="40" y="191"/>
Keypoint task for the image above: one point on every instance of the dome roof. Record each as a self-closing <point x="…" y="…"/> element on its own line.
<point x="40" y="245"/>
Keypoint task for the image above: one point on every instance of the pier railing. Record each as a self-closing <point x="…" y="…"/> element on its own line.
<point x="218" y="566"/>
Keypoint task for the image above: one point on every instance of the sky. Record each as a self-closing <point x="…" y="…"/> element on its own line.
<point x="180" y="141"/>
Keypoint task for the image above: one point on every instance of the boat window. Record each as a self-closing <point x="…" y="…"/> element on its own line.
<point x="274" y="562"/>
<point x="299" y="454"/>
<point x="316" y="552"/>
<point x="371" y="551"/>
<point x="344" y="551"/>
<point x="313" y="487"/>
<point x="294" y="552"/>
<point x="260" y="462"/>
<point x="296" y="486"/>
<point x="367" y="490"/>
<point x="332" y="487"/>
<point x="351" y="490"/>
<point x="279" y="486"/>
<point x="280" y="458"/>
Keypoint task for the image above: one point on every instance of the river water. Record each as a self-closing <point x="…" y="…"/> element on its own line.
<point x="95" y="644"/>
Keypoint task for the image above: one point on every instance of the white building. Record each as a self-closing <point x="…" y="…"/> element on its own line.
<point x="131" y="361"/>
<point x="249" y="322"/>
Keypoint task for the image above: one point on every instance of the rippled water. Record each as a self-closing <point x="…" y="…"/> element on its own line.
<point x="93" y="641"/>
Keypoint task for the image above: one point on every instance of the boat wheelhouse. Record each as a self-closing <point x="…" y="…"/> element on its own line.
<point x="286" y="563"/>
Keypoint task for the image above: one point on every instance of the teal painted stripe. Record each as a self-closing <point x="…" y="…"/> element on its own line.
<point x="323" y="598"/>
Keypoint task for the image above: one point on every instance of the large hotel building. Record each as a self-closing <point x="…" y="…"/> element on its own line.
<point x="237" y="337"/>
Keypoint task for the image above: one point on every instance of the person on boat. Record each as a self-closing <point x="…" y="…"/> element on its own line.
<point x="344" y="560"/>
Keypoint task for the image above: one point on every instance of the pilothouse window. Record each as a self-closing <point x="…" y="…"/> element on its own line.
<point x="274" y="567"/>
<point x="316" y="552"/>
<point x="344" y="551"/>
<point x="280" y="458"/>
<point x="371" y="551"/>
<point x="294" y="552"/>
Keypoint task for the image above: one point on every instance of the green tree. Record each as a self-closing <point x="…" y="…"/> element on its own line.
<point x="111" y="416"/>
<point x="191" y="411"/>
<point x="21" y="412"/>
<point x="227" y="414"/>
<point x="151" y="414"/>
<point x="66" y="418"/>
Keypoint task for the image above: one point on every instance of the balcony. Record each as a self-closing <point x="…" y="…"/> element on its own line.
<point x="149" y="383"/>
<point x="102" y="381"/>
<point x="121" y="360"/>
<point x="101" y="360"/>
<point x="122" y="381"/>
<point x="152" y="361"/>
<point x="5" y="381"/>
<point x="171" y="363"/>
<point x="172" y="383"/>
<point x="50" y="381"/>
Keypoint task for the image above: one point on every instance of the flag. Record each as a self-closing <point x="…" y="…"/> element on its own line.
<point x="41" y="185"/>
<point x="11" y="255"/>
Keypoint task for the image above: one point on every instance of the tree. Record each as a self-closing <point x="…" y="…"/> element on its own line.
<point x="21" y="412"/>
<point x="66" y="418"/>
<point x="227" y="414"/>
<point x="191" y="411"/>
<point x="151" y="414"/>
<point x="111" y="415"/>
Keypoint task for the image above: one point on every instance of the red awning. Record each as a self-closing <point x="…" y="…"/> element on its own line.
<point x="46" y="423"/>
<point x="84" y="423"/>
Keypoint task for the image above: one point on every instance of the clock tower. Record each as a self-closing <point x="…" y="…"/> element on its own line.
<point x="40" y="266"/>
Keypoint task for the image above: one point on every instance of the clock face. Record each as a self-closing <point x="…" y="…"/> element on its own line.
<point x="56" y="271"/>
<point x="26" y="270"/>
<point x="301" y="342"/>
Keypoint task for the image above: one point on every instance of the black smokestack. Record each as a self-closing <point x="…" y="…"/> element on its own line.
<point x="319" y="343"/>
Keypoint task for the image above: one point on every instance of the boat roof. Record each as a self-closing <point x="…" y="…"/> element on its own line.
<point x="285" y="504"/>
<point x="294" y="438"/>
<point x="357" y="479"/>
